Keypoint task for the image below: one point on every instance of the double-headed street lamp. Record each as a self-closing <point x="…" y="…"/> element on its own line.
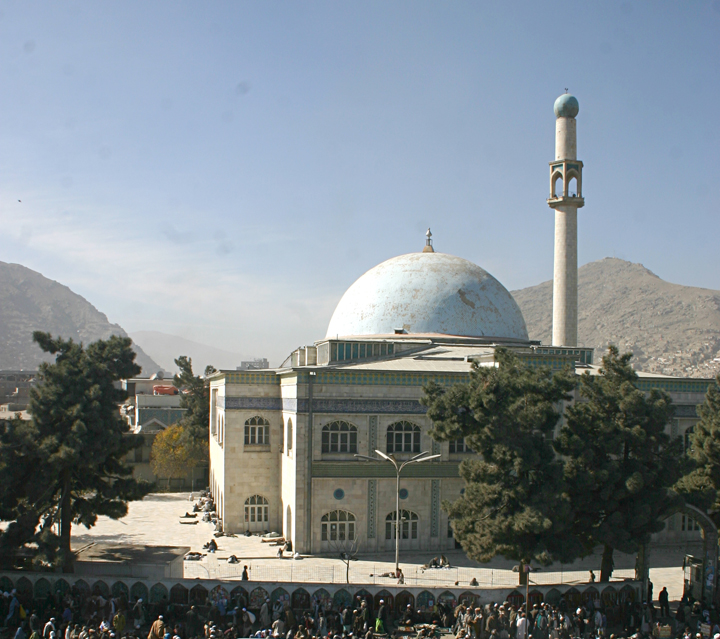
<point x="422" y="457"/>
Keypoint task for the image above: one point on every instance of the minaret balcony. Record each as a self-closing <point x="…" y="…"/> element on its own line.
<point x="562" y="200"/>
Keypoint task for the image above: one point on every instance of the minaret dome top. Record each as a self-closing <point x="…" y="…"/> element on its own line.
<point x="566" y="106"/>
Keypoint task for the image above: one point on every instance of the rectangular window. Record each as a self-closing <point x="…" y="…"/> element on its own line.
<point x="391" y="349"/>
<point x="376" y="350"/>
<point x="383" y="349"/>
<point x="355" y="350"/>
<point x="324" y="535"/>
<point x="333" y="352"/>
<point x="459" y="446"/>
<point x="362" y="350"/>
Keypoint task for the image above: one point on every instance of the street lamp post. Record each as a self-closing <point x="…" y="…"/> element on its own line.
<point x="422" y="457"/>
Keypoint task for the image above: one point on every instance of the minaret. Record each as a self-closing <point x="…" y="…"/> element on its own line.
<point x="566" y="198"/>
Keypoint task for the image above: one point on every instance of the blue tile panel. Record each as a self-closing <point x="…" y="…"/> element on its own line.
<point x="435" y="508"/>
<point x="372" y="507"/>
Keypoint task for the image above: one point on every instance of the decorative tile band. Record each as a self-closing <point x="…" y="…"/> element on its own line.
<point x="382" y="406"/>
<point x="245" y="403"/>
<point x="357" y="406"/>
<point x="435" y="508"/>
<point x="388" y="379"/>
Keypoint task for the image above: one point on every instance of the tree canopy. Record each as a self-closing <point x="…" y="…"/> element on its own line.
<point x="620" y="465"/>
<point x="170" y="456"/>
<point x="195" y="399"/>
<point x="66" y="465"/>
<point x="514" y="503"/>
<point x="701" y="487"/>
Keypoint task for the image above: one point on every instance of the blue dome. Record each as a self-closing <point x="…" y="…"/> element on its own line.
<point x="428" y="293"/>
<point x="566" y="106"/>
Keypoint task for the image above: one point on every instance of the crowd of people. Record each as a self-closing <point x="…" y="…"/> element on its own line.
<point x="80" y="615"/>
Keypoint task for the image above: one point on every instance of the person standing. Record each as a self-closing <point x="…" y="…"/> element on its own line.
<point x="664" y="601"/>
<point x="119" y="623"/>
<point x="265" y="615"/>
<point x="381" y="622"/>
<point x="138" y="614"/>
<point x="522" y="627"/>
<point x="157" y="630"/>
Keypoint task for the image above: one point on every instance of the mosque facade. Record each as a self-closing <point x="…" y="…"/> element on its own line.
<point x="284" y="442"/>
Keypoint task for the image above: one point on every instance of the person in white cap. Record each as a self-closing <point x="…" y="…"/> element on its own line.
<point x="138" y="614"/>
<point x="381" y="621"/>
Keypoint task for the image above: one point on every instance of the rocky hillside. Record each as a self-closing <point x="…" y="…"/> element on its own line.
<point x="671" y="329"/>
<point x="31" y="302"/>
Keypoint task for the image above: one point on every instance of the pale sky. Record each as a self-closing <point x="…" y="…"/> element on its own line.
<point x="223" y="171"/>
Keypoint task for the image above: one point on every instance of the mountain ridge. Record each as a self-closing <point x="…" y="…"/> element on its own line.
<point x="30" y="302"/>
<point x="671" y="329"/>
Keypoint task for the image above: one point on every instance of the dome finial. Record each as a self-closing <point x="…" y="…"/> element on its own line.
<point x="428" y="243"/>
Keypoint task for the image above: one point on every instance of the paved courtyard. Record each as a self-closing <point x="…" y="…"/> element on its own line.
<point x="156" y="521"/>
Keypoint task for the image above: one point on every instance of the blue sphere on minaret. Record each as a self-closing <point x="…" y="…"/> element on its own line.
<point x="566" y="106"/>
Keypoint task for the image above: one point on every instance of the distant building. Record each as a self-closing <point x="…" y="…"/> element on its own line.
<point x="152" y="405"/>
<point x="254" y="365"/>
<point x="15" y="388"/>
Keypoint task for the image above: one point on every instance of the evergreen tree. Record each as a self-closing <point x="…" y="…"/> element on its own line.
<point x="514" y="503"/>
<point x="620" y="465"/>
<point x="195" y="399"/>
<point x="701" y="487"/>
<point x="70" y="457"/>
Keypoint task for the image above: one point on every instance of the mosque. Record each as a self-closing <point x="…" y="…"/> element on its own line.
<point x="283" y="442"/>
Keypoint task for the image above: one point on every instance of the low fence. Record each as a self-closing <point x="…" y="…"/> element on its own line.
<point x="372" y="574"/>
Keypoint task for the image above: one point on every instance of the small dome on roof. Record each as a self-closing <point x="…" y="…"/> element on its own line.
<point x="566" y="106"/>
<point x="428" y="293"/>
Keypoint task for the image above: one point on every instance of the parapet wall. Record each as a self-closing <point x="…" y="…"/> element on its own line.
<point x="32" y="585"/>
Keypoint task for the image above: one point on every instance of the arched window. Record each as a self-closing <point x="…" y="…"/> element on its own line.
<point x="256" y="512"/>
<point x="403" y="437"/>
<point x="338" y="525"/>
<point x="257" y="431"/>
<point x="408" y="525"/>
<point x="557" y="185"/>
<point x="339" y="437"/>
<point x="289" y="436"/>
<point x="573" y="187"/>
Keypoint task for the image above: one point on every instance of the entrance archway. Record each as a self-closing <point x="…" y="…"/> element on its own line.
<point x="709" y="558"/>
